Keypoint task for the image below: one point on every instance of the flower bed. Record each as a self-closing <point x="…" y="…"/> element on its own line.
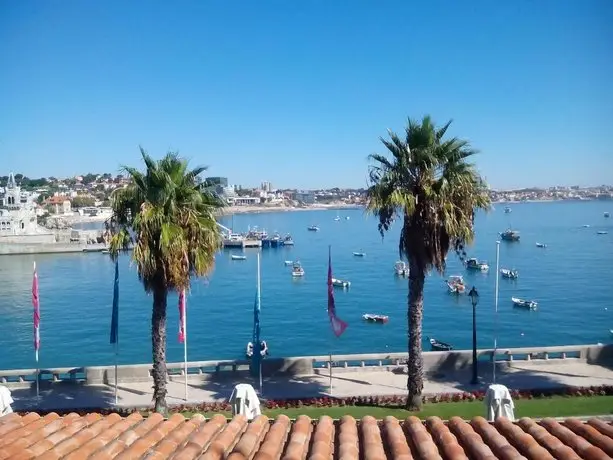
<point x="370" y="401"/>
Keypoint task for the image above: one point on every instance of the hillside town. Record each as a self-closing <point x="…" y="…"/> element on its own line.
<point x="60" y="202"/>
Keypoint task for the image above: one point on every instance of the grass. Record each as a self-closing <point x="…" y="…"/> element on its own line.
<point x="557" y="406"/>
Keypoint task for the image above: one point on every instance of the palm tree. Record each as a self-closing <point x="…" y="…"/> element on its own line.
<point x="168" y="216"/>
<point x="429" y="182"/>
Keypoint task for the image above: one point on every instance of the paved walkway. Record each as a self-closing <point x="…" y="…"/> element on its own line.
<point x="359" y="383"/>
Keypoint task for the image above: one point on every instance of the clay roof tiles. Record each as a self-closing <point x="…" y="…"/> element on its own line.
<point x="94" y="436"/>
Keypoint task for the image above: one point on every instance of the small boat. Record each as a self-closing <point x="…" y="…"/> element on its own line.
<point x="375" y="318"/>
<point x="510" y="274"/>
<point x="313" y="228"/>
<point x="263" y="349"/>
<point x="507" y="210"/>
<point x="606" y="214"/>
<point x="474" y="264"/>
<point x="297" y="269"/>
<point x="541" y="245"/>
<point x="105" y="251"/>
<point x="347" y="217"/>
<point x="341" y="283"/>
<point x="510" y="235"/>
<point x="359" y="254"/>
<point x="400" y="268"/>
<point x="289" y="262"/>
<point x="337" y="218"/>
<point x="586" y="226"/>
<point x="530" y="304"/>
<point x="601" y="232"/>
<point x="456" y="285"/>
<point x="236" y="257"/>
<point x="437" y="345"/>
<point x="287" y="240"/>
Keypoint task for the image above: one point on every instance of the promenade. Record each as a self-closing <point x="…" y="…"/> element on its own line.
<point x="522" y="375"/>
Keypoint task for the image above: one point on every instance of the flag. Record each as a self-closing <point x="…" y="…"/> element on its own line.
<point x="36" y="305"/>
<point x="338" y="325"/>
<point x="257" y="348"/>
<point x="115" y="313"/>
<point x="182" y="331"/>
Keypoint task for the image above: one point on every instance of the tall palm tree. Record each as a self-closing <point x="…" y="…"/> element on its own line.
<point x="168" y="215"/>
<point x="430" y="184"/>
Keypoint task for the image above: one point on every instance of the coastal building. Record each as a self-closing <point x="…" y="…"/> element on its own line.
<point x="266" y="186"/>
<point x="305" y="197"/>
<point x="244" y="200"/>
<point x="60" y="205"/>
<point x="18" y="216"/>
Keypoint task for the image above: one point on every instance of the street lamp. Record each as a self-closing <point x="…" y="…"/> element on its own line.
<point x="474" y="298"/>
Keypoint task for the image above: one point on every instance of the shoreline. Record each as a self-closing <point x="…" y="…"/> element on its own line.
<point x="265" y="209"/>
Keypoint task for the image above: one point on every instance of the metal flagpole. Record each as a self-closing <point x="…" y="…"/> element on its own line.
<point x="259" y="347"/>
<point x="185" y="340"/>
<point x="37" y="373"/>
<point x="331" y="337"/>
<point x="116" y="356"/>
<point x="37" y="333"/>
<point x="496" y="312"/>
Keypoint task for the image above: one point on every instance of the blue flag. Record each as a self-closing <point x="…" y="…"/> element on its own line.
<point x="257" y="346"/>
<point x="115" y="314"/>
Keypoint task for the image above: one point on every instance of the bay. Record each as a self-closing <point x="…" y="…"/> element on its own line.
<point x="571" y="279"/>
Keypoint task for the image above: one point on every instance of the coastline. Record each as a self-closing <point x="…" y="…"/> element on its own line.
<point x="264" y="208"/>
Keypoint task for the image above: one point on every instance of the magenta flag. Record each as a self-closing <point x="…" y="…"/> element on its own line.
<point x="338" y="325"/>
<point x="36" y="305"/>
<point x="182" y="331"/>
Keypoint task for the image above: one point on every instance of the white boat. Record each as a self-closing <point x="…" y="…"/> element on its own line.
<point x="289" y="262"/>
<point x="400" y="268"/>
<point x="507" y="210"/>
<point x="105" y="251"/>
<point x="530" y="304"/>
<point x="313" y="228"/>
<point x="510" y="274"/>
<point x="541" y="245"/>
<point x="347" y="217"/>
<point x="437" y="345"/>
<point x="341" y="283"/>
<point x="337" y="218"/>
<point x="456" y="285"/>
<point x="287" y="240"/>
<point x="236" y="257"/>
<point x="359" y="254"/>
<point x="297" y="269"/>
<point x="263" y="349"/>
<point x="600" y="232"/>
<point x="510" y="235"/>
<point x="375" y="318"/>
<point x="474" y="264"/>
<point x="586" y="226"/>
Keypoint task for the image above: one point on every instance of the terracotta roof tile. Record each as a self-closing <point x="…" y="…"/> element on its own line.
<point x="94" y="436"/>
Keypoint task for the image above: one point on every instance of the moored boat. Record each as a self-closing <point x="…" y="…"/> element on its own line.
<point x="371" y="318"/>
<point x="400" y="268"/>
<point x="313" y="228"/>
<point x="601" y="232"/>
<point x="509" y="273"/>
<point x="237" y="257"/>
<point x="507" y="210"/>
<point x="437" y="345"/>
<point x="530" y="304"/>
<point x="475" y="264"/>
<point x="510" y="235"/>
<point x="541" y="245"/>
<point x="297" y="269"/>
<point x="606" y="214"/>
<point x="287" y="240"/>
<point x="456" y="285"/>
<point x="359" y="254"/>
<point x="341" y="283"/>
<point x="289" y="262"/>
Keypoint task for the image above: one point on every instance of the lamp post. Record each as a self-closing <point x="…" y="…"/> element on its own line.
<point x="474" y="298"/>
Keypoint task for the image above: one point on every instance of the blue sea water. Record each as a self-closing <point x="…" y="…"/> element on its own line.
<point x="571" y="279"/>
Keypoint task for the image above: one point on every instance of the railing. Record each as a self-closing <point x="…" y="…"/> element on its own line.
<point x="309" y="364"/>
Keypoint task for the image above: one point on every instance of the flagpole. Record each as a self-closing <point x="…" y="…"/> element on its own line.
<point x="116" y="357"/>
<point x="496" y="312"/>
<point x="185" y="343"/>
<point x="37" y="334"/>
<point x="331" y="336"/>
<point x="259" y="347"/>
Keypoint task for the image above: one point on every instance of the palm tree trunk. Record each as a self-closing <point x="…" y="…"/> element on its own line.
<point x="158" y="338"/>
<point x="415" y="315"/>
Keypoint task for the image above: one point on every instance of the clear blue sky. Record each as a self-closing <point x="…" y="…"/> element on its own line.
<point x="298" y="92"/>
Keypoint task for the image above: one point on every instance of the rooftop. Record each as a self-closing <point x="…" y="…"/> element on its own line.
<point x="97" y="436"/>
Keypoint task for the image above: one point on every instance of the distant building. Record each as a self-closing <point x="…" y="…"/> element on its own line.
<point x="17" y="211"/>
<point x="223" y="181"/>
<point x="304" y="197"/>
<point x="266" y="186"/>
<point x="244" y="200"/>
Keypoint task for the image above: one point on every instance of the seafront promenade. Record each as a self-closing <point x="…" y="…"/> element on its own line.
<point x="446" y="372"/>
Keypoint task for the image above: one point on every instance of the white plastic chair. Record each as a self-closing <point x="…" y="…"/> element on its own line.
<point x="245" y="401"/>
<point x="499" y="403"/>
<point x="5" y="401"/>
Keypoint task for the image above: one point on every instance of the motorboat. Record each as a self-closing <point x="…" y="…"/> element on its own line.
<point x="601" y="232"/>
<point x="359" y="254"/>
<point x="288" y="263"/>
<point x="375" y="318"/>
<point x="437" y="345"/>
<point x="400" y="268"/>
<point x="456" y="285"/>
<point x="541" y="245"/>
<point x="237" y="257"/>
<point x="530" y="304"/>
<point x="297" y="269"/>
<point x="507" y="210"/>
<point x="606" y="214"/>
<point x="475" y="264"/>
<point x="586" y="226"/>
<point x="347" y="218"/>
<point x="287" y="240"/>
<point x="510" y="235"/>
<point x="511" y="274"/>
<point x="341" y="283"/>
<point x="313" y="228"/>
<point x="263" y="349"/>
<point x="337" y="218"/>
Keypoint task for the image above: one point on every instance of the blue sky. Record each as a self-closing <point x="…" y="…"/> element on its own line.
<point x="298" y="93"/>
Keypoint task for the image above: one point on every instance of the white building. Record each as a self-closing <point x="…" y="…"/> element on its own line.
<point x="17" y="211"/>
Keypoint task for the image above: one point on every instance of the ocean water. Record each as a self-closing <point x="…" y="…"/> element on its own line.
<point x="571" y="279"/>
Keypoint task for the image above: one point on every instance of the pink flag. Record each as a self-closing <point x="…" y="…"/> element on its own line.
<point x="182" y="316"/>
<point x="36" y="305"/>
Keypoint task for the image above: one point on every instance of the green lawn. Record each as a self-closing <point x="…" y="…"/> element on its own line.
<point x="536" y="408"/>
